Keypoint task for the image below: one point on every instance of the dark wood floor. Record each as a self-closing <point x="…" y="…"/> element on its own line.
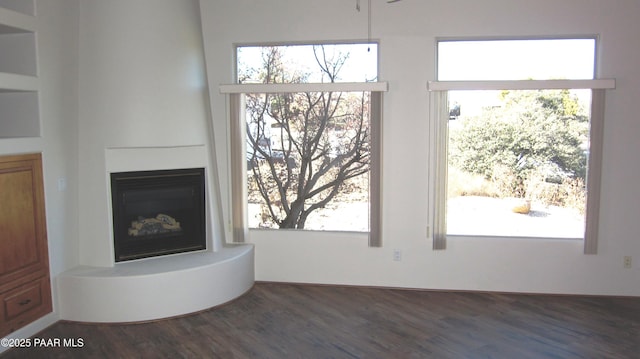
<point x="306" y="321"/>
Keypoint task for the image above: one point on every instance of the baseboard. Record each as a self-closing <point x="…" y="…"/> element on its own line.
<point x="447" y="290"/>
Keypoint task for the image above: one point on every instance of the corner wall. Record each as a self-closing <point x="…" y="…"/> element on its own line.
<point x="142" y="85"/>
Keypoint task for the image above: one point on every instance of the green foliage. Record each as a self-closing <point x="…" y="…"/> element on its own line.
<point x="531" y="131"/>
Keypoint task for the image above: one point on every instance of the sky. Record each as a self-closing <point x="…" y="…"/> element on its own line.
<point x="516" y="60"/>
<point x="362" y="64"/>
<point x="542" y="59"/>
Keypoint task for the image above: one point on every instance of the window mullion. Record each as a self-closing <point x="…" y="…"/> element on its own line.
<point x="520" y="85"/>
<point x="380" y="86"/>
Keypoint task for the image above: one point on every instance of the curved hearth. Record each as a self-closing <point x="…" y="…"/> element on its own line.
<point x="156" y="288"/>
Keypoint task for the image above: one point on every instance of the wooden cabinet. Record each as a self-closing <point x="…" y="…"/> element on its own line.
<point x="25" y="290"/>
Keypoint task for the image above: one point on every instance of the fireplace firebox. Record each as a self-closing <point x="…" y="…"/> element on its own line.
<point x="158" y="212"/>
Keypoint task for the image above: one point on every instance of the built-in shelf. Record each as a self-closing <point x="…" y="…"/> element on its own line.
<point x="19" y="115"/>
<point x="18" y="54"/>
<point x="16" y="83"/>
<point x="19" y="85"/>
<point x="12" y="22"/>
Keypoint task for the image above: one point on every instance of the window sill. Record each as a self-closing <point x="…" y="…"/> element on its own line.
<point x="515" y="238"/>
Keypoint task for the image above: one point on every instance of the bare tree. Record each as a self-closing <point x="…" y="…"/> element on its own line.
<point x="303" y="147"/>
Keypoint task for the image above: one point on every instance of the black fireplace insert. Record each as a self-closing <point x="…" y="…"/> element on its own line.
<point x="158" y="212"/>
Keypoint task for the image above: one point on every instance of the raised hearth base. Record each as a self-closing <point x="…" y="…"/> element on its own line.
<point x="155" y="288"/>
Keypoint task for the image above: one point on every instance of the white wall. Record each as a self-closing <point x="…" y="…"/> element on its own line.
<point x="58" y="74"/>
<point x="407" y="31"/>
<point x="142" y="84"/>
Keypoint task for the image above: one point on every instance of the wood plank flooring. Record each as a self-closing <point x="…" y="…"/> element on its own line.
<point x="307" y="321"/>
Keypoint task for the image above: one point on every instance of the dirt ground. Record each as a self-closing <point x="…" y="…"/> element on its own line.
<point x="471" y="215"/>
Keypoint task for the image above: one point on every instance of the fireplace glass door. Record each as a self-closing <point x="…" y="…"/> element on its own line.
<point x="158" y="212"/>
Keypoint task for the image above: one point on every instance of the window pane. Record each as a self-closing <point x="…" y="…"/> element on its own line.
<point x="517" y="160"/>
<point x="307" y="63"/>
<point x="570" y="59"/>
<point x="517" y="163"/>
<point x="308" y="160"/>
<point x="308" y="154"/>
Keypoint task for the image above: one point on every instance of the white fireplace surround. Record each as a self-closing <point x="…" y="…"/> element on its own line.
<point x="159" y="287"/>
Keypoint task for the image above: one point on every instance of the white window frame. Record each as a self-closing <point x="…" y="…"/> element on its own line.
<point x="439" y="139"/>
<point x="237" y="93"/>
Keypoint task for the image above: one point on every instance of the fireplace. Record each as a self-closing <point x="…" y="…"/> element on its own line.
<point x="158" y="212"/>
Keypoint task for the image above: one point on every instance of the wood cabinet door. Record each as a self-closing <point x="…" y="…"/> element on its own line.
<point x="23" y="244"/>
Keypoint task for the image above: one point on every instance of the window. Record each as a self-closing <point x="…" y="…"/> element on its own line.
<point x="306" y="136"/>
<point x="517" y="138"/>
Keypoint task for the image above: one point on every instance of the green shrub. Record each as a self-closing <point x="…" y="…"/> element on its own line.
<point x="542" y="132"/>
